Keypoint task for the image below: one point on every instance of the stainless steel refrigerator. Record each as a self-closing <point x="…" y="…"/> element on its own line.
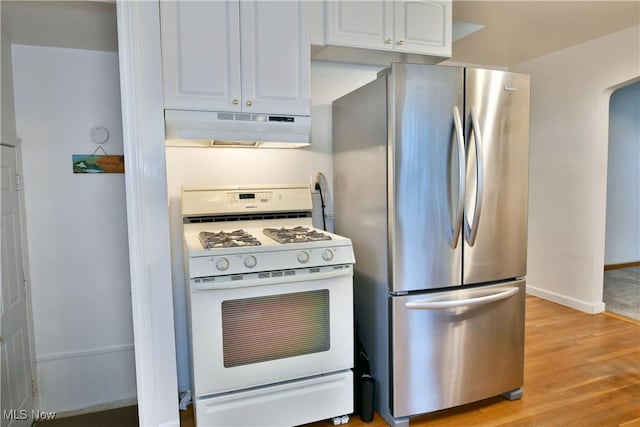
<point x="431" y="185"/>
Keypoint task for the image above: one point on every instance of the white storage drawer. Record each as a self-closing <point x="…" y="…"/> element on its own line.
<point x="293" y="403"/>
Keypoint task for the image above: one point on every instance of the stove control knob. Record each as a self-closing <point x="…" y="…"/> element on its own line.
<point x="327" y="255"/>
<point x="250" y="261"/>
<point x="222" y="264"/>
<point x="303" y="257"/>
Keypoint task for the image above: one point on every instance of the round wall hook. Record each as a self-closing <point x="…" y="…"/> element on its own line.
<point x="99" y="134"/>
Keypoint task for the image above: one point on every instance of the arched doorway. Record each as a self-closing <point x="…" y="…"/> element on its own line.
<point x="621" y="288"/>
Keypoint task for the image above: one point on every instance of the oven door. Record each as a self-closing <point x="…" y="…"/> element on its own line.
<point x="265" y="328"/>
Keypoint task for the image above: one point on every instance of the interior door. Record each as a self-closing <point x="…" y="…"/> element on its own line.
<point x="497" y="132"/>
<point x="425" y="180"/>
<point x="17" y="396"/>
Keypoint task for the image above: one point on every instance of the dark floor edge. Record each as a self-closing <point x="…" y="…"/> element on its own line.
<point x="620" y="266"/>
<point x="621" y="317"/>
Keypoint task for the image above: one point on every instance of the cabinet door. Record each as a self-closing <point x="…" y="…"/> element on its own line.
<point x="276" y="62"/>
<point x="423" y="27"/>
<point x="201" y="54"/>
<point x="365" y="24"/>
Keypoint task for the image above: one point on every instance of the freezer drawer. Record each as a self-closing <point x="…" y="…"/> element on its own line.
<point x="456" y="347"/>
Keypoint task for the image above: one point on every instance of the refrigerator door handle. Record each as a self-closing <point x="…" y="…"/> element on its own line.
<point x="472" y="231"/>
<point x="443" y="304"/>
<point x="457" y="227"/>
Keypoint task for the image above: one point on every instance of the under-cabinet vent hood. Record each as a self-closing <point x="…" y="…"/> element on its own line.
<point x="224" y="129"/>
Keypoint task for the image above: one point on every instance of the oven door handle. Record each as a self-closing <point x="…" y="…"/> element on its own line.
<point x="229" y="283"/>
<point x="436" y="304"/>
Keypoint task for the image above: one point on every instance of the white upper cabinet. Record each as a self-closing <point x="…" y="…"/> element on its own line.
<point x="409" y="26"/>
<point x="366" y="24"/>
<point x="276" y="62"/>
<point x="251" y="56"/>
<point x="201" y="55"/>
<point x="423" y="27"/>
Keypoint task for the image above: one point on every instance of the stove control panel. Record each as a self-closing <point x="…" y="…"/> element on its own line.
<point x="248" y="198"/>
<point x="204" y="201"/>
<point x="250" y="260"/>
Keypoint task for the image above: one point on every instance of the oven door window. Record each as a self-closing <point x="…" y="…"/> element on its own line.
<point x="274" y="327"/>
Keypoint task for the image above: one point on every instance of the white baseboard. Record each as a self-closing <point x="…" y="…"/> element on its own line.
<point x="86" y="381"/>
<point x="84" y="353"/>
<point x="566" y="301"/>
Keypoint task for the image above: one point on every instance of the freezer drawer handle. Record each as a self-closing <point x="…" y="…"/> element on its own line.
<point x="430" y="305"/>
<point x="461" y="178"/>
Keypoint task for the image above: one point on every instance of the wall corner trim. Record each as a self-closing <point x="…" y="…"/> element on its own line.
<point x="147" y="213"/>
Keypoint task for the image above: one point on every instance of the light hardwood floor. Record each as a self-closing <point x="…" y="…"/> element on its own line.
<point x="580" y="370"/>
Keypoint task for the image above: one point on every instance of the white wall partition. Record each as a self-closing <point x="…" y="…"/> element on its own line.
<point x="623" y="177"/>
<point x="76" y="228"/>
<point x="147" y="215"/>
<point x="8" y="121"/>
<point x="570" y="92"/>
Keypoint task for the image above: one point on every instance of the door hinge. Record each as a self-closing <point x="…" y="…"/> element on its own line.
<point x="34" y="388"/>
<point x="18" y="183"/>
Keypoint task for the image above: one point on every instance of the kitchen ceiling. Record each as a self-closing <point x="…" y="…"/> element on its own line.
<point x="517" y="31"/>
<point x="88" y="25"/>
<point x="513" y="32"/>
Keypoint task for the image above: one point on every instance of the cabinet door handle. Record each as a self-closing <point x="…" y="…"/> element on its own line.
<point x="388" y="41"/>
<point x="235" y="101"/>
<point x="249" y="103"/>
<point x="401" y="42"/>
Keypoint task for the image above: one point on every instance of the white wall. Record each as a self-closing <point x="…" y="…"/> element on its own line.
<point x="236" y="166"/>
<point x="8" y="117"/>
<point x="570" y="92"/>
<point x="622" y="243"/>
<point x="76" y="228"/>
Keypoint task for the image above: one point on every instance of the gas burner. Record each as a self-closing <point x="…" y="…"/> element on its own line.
<point x="295" y="235"/>
<point x="224" y="239"/>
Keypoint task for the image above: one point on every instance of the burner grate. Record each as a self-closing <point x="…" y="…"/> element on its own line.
<point x="295" y="235"/>
<point x="226" y="239"/>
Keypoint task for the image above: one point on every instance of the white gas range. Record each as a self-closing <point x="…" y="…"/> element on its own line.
<point x="270" y="308"/>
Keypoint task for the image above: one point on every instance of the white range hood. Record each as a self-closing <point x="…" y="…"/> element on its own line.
<point x="224" y="129"/>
